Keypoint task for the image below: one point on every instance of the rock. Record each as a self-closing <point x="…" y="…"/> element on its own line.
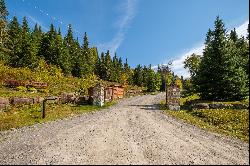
<point x="219" y="106"/>
<point x="38" y="100"/>
<point x="68" y="98"/>
<point x="21" y="101"/>
<point x="200" y="106"/>
<point x="81" y="100"/>
<point x="4" y="102"/>
<point x="174" y="107"/>
<point x="240" y="106"/>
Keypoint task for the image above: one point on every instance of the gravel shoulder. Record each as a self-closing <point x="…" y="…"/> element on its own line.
<point x="132" y="132"/>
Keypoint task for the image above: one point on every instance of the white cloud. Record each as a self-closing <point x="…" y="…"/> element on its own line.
<point x="242" y="29"/>
<point x="178" y="66"/>
<point x="129" y="10"/>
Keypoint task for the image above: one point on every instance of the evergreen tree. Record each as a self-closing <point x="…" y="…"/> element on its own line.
<point x="153" y="80"/>
<point x="13" y="44"/>
<point x="138" y="76"/>
<point x="220" y="76"/>
<point x="75" y="58"/>
<point x="28" y="49"/>
<point x="93" y="60"/>
<point x="62" y="58"/>
<point x="3" y="11"/>
<point x="116" y="69"/>
<point x="102" y="68"/>
<point x="3" y="22"/>
<point x="48" y="46"/>
<point x="108" y="66"/>
<point x="88" y="58"/>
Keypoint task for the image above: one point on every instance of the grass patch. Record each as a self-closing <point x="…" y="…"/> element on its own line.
<point x="16" y="117"/>
<point x="234" y="123"/>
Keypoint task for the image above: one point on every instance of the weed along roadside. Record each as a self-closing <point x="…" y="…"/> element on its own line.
<point x="227" y="118"/>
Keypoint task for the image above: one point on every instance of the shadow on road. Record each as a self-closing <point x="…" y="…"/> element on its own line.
<point x="148" y="107"/>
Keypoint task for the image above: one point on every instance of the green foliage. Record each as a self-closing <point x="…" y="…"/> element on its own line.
<point x="28" y="115"/>
<point x="192" y="63"/>
<point x="3" y="10"/>
<point x="221" y="74"/>
<point x="13" y="44"/>
<point x="32" y="89"/>
<point x="57" y="82"/>
<point x="21" y="88"/>
<point x="230" y="122"/>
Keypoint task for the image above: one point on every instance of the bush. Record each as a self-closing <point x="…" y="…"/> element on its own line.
<point x="32" y="89"/>
<point x="21" y="88"/>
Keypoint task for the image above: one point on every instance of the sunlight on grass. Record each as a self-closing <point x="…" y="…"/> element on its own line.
<point x="227" y="121"/>
<point x="16" y="117"/>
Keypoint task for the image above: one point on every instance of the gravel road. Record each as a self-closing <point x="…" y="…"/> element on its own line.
<point x="132" y="132"/>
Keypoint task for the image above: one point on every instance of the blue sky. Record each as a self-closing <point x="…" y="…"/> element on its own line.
<point x="144" y="31"/>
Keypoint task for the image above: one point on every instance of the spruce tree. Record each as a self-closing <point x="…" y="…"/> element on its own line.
<point x="3" y="22"/>
<point x="220" y="76"/>
<point x="28" y="48"/>
<point x="62" y="58"/>
<point x="3" y="11"/>
<point x="108" y="66"/>
<point x="138" y="76"/>
<point x="13" y="44"/>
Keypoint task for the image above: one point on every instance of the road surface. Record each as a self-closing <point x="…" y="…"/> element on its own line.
<point x="132" y="132"/>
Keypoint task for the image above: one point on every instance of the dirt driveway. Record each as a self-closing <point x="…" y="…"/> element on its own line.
<point x="132" y="132"/>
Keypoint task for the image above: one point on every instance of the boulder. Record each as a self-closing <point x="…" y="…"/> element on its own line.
<point x="240" y="106"/>
<point x="4" y="102"/>
<point x="38" y="100"/>
<point x="220" y="106"/>
<point x="68" y="98"/>
<point x="200" y="106"/>
<point x="21" y="101"/>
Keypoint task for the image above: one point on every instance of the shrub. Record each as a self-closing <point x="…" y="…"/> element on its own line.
<point x="32" y="89"/>
<point x="21" y="88"/>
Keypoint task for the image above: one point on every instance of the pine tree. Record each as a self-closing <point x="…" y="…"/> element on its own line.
<point x="108" y="66"/>
<point x="36" y="38"/>
<point x="62" y="58"/>
<point x="13" y="44"/>
<point x="3" y="22"/>
<point x="220" y="76"/>
<point x="3" y="11"/>
<point x="102" y="71"/>
<point x="74" y="49"/>
<point x="138" y="76"/>
<point x="93" y="59"/>
<point x="48" y="46"/>
<point x="88" y="60"/>
<point x="28" y="49"/>
<point x="117" y="69"/>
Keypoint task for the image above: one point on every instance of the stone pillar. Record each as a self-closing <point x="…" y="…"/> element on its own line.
<point x="98" y="95"/>
<point x="173" y="98"/>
